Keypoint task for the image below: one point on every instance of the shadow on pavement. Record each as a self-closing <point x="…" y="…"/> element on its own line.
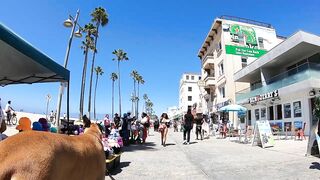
<point x="118" y="169"/>
<point x="137" y="147"/>
<point x="315" y="165"/>
<point x="170" y="144"/>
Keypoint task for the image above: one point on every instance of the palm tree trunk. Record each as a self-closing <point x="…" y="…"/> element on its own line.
<point x="112" y="99"/>
<point x="91" y="73"/>
<point x="83" y="84"/>
<point x="138" y="101"/>
<point x="134" y="98"/>
<point x="119" y="88"/>
<point x="95" y="94"/>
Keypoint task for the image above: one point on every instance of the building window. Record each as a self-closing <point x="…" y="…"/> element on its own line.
<point x="190" y="89"/>
<point x="220" y="46"/>
<point x="192" y="77"/>
<point x="190" y="107"/>
<point x="244" y="61"/>
<point x="297" y="109"/>
<point x="221" y="70"/>
<point x="287" y="110"/>
<point x="189" y="98"/>
<point x="199" y="77"/>
<point x="256" y="113"/>
<point x="187" y="77"/>
<point x="279" y="111"/>
<point x="249" y="117"/>
<point x="222" y="91"/>
<point x="260" y="40"/>
<point x="263" y="113"/>
<point x="271" y="113"/>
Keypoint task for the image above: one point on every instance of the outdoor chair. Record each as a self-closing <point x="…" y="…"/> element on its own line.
<point x="300" y="133"/>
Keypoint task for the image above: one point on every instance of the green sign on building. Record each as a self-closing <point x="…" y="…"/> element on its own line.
<point x="244" y="51"/>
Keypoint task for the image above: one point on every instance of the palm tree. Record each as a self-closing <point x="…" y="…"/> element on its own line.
<point x="149" y="106"/>
<point x="114" y="77"/>
<point x="139" y="81"/>
<point x="89" y="29"/>
<point x="134" y="74"/>
<point x="98" y="71"/>
<point x="100" y="17"/>
<point x="145" y="98"/>
<point x="120" y="56"/>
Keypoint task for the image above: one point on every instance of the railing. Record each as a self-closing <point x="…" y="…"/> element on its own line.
<point x="209" y="76"/>
<point x="233" y="18"/>
<point x="300" y="73"/>
<point x="206" y="57"/>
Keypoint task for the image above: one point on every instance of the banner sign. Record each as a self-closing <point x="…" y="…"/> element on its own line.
<point x="244" y="51"/>
<point x="265" y="133"/>
<point x="264" y="96"/>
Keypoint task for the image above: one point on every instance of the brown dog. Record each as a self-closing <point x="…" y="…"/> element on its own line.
<point x="35" y="155"/>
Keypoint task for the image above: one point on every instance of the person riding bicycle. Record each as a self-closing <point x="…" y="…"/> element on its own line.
<point x="9" y="110"/>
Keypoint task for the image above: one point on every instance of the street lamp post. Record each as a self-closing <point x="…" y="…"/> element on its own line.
<point x="48" y="98"/>
<point x="68" y="23"/>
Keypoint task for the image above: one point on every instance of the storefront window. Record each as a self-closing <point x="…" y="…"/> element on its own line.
<point x="256" y="112"/>
<point x="287" y="126"/>
<point x="279" y="111"/>
<point x="297" y="109"/>
<point x="271" y="113"/>
<point x="263" y="113"/>
<point x="249" y="117"/>
<point x="287" y="110"/>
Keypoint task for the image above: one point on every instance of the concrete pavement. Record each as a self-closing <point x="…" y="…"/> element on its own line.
<point x="215" y="159"/>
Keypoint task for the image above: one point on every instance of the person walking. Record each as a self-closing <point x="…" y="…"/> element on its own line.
<point x="107" y="125"/>
<point x="156" y="124"/>
<point x="199" y="121"/>
<point x="188" y="124"/>
<point x="146" y="124"/>
<point x="165" y="124"/>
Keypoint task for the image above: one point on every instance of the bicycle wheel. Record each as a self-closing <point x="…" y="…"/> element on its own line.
<point x="14" y="120"/>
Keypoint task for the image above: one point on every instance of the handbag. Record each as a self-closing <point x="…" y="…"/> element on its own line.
<point x="3" y="126"/>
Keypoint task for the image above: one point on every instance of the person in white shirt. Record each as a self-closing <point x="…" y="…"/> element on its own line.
<point x="8" y="110"/>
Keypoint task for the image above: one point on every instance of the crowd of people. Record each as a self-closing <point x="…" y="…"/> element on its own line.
<point x="132" y="130"/>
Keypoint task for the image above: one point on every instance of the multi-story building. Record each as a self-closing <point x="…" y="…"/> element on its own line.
<point x="283" y="84"/>
<point x="189" y="92"/>
<point x="230" y="45"/>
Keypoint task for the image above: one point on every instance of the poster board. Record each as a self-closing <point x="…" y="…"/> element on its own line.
<point x="263" y="134"/>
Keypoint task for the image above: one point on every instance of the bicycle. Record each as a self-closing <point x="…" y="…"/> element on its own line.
<point x="13" y="119"/>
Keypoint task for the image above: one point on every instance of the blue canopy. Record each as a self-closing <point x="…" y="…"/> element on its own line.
<point x="20" y="62"/>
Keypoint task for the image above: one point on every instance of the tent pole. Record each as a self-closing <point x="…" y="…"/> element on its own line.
<point x="68" y="97"/>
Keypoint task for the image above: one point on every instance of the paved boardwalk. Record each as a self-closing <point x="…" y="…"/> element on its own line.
<point x="215" y="159"/>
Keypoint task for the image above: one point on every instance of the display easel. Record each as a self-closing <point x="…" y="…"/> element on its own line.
<point x="262" y="134"/>
<point x="256" y="137"/>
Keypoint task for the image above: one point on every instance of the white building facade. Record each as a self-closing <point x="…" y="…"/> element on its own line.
<point x="189" y="92"/>
<point x="230" y="45"/>
<point x="284" y="84"/>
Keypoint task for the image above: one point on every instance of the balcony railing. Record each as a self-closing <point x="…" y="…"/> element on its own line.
<point x="207" y="57"/>
<point x="292" y="76"/>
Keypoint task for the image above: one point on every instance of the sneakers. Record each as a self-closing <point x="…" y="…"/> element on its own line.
<point x="188" y="143"/>
<point x="184" y="142"/>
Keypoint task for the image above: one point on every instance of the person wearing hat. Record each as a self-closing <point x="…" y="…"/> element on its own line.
<point x="24" y="124"/>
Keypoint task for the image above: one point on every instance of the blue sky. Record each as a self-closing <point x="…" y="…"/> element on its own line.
<point x="162" y="39"/>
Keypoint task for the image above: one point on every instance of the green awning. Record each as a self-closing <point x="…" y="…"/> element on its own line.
<point x="20" y="62"/>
